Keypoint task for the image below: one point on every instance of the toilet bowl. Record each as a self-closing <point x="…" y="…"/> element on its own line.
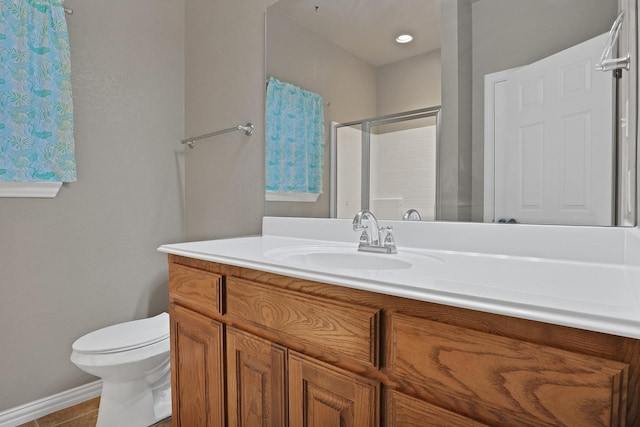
<point x="132" y="358"/>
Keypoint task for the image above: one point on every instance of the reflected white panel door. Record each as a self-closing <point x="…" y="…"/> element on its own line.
<point x="557" y="166"/>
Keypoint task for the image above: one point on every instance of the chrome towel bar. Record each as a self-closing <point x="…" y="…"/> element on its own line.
<point x="191" y="142"/>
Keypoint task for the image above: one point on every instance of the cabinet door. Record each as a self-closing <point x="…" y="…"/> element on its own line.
<point x="255" y="381"/>
<point x="197" y="370"/>
<point x="324" y="396"/>
<point x="405" y="411"/>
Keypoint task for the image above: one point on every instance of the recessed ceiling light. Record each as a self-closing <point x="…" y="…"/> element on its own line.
<point x="404" y="38"/>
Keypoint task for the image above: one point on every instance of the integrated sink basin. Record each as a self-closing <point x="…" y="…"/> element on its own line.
<point x="342" y="257"/>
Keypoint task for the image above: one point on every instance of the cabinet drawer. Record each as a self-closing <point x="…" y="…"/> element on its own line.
<point x="199" y="290"/>
<point x="321" y="325"/>
<point x="509" y="381"/>
<point x="406" y="411"/>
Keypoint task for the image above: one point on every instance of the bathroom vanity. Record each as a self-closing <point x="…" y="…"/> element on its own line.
<point x="264" y="332"/>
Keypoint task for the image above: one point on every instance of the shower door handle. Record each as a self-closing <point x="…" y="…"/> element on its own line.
<point x="613" y="63"/>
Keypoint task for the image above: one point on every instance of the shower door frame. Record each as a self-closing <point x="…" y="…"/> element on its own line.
<point x="365" y="179"/>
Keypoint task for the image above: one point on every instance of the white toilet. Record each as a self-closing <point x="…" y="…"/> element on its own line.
<point x="132" y="358"/>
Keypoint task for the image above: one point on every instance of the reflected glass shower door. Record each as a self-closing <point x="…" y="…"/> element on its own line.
<point x="386" y="164"/>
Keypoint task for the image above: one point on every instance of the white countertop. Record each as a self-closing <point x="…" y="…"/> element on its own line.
<point x="592" y="280"/>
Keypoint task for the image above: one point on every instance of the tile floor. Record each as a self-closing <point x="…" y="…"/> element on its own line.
<point x="84" y="414"/>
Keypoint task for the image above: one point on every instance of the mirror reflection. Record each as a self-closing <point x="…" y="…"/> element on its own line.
<point x="459" y="56"/>
<point x="386" y="165"/>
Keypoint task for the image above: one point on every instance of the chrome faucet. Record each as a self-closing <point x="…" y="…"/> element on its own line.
<point x="366" y="222"/>
<point x="411" y="215"/>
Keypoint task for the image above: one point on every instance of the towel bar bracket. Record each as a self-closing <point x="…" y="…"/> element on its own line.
<point x="191" y="142"/>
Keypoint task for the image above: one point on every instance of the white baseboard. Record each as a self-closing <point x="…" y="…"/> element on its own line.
<point x="45" y="406"/>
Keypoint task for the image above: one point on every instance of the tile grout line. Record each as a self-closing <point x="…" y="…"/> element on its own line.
<point x="74" y="418"/>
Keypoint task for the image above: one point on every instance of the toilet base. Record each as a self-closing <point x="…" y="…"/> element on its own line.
<point x="134" y="403"/>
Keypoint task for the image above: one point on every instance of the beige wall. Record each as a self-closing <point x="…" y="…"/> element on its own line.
<point x="224" y="86"/>
<point x="409" y="84"/>
<point x="87" y="258"/>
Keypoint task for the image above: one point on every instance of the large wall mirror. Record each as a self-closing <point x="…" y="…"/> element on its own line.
<point x="527" y="130"/>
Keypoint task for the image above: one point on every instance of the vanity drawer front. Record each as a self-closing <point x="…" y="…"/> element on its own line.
<point x="320" y="325"/>
<point x="199" y="290"/>
<point x="505" y="380"/>
<point x="406" y="411"/>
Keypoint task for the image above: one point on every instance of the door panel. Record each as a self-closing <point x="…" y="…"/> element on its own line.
<point x="197" y="370"/>
<point x="554" y="140"/>
<point x="324" y="396"/>
<point x="255" y="381"/>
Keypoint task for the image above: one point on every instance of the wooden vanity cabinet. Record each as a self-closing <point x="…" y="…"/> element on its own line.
<point x="251" y="348"/>
<point x="252" y="325"/>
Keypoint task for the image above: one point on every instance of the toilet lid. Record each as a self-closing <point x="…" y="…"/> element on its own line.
<point x="125" y="336"/>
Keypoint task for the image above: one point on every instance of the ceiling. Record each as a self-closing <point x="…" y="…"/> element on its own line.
<point x="368" y="28"/>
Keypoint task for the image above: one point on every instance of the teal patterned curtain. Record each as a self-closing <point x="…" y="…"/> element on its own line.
<point x="294" y="139"/>
<point x="36" y="108"/>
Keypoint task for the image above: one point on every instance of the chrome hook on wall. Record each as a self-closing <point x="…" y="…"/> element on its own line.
<point x="67" y="10"/>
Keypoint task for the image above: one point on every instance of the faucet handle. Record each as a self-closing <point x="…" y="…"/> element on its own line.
<point x="389" y="240"/>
